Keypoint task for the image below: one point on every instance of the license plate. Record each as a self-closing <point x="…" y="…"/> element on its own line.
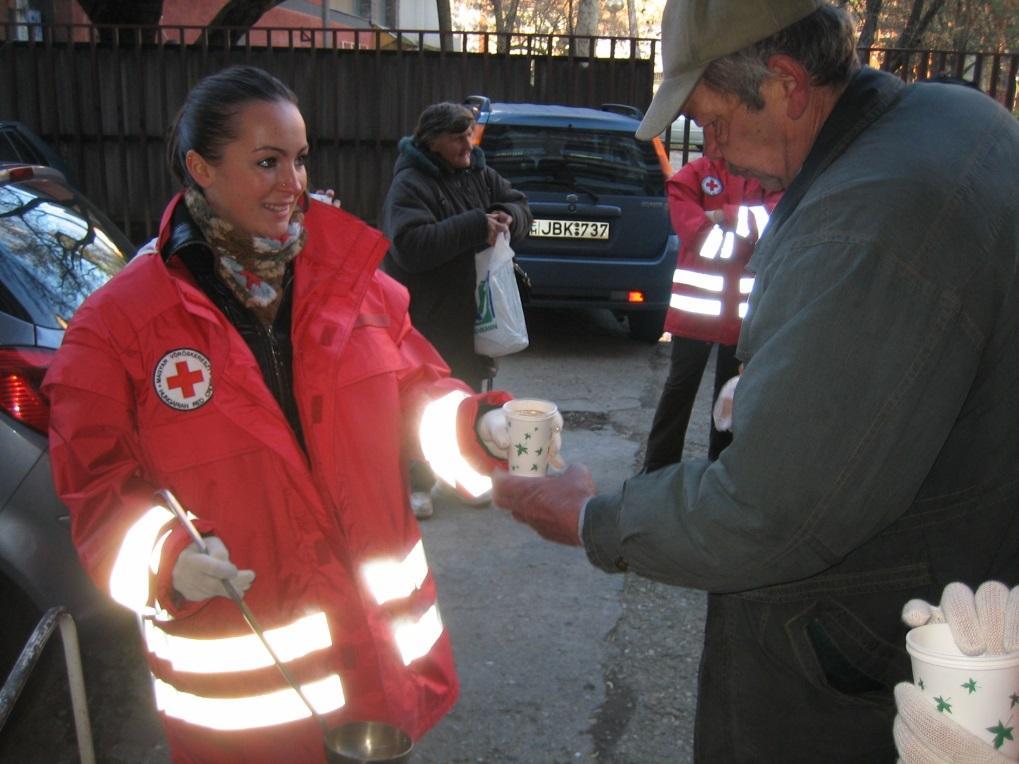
<point x="570" y="229"/>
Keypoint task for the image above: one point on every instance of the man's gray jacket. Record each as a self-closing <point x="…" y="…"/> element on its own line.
<point x="876" y="429"/>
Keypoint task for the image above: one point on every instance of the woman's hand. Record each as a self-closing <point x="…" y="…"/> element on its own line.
<point x="327" y="195"/>
<point x="198" y="576"/>
<point x="498" y="222"/>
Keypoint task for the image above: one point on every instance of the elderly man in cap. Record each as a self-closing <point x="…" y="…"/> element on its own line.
<point x="874" y="456"/>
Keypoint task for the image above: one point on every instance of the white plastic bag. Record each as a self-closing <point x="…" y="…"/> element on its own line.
<point x="499" y="325"/>
<point x="722" y="412"/>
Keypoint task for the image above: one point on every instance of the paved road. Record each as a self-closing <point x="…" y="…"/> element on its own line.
<point x="559" y="662"/>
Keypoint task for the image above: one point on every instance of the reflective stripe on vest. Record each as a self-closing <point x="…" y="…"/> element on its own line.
<point x="697" y="305"/>
<point x="441" y="448"/>
<point x="137" y="556"/>
<point x="250" y="712"/>
<point x="706" y="306"/>
<point x="395" y="579"/>
<point x="390" y="580"/>
<point x="415" y="639"/>
<point x="718" y="244"/>
<point x="241" y="653"/>
<point x="708" y="281"/>
<point x="743" y="215"/>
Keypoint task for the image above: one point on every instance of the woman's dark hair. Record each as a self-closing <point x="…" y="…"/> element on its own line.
<point x="441" y="118"/>
<point x="205" y="123"/>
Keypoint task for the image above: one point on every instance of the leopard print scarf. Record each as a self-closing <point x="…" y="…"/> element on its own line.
<point x="251" y="266"/>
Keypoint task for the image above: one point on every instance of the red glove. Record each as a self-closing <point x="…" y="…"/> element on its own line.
<point x="551" y="505"/>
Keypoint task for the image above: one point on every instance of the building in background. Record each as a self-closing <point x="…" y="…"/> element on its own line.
<point x="353" y="23"/>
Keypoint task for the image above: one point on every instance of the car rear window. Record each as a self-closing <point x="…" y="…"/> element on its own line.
<point x="56" y="248"/>
<point x="564" y="158"/>
<point x="14" y="148"/>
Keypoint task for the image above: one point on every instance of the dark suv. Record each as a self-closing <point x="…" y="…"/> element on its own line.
<point x="601" y="235"/>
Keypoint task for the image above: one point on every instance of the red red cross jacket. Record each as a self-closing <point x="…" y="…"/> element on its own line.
<point x="710" y="286"/>
<point x="153" y="387"/>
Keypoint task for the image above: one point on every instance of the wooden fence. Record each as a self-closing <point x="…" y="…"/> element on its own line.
<point x="106" y="106"/>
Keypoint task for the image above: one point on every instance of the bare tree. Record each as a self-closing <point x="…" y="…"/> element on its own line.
<point x="236" y="17"/>
<point x="445" y="24"/>
<point x="587" y="25"/>
<point x="505" y="22"/>
<point x="870" y="18"/>
<point x="911" y="36"/>
<point x="127" y="12"/>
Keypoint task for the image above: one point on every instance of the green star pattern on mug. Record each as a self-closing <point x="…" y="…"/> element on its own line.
<point x="1001" y="734"/>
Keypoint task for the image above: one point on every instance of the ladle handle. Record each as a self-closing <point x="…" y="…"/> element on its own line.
<point x="182" y="516"/>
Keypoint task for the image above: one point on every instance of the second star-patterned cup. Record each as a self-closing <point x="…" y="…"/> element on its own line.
<point x="980" y="692"/>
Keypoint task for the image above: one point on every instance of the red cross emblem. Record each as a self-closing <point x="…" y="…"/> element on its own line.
<point x="183" y="379"/>
<point x="711" y="185"/>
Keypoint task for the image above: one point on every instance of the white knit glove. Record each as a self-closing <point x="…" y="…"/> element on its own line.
<point x="199" y="576"/>
<point x="923" y="735"/>
<point x="987" y="622"/>
<point x="493" y="431"/>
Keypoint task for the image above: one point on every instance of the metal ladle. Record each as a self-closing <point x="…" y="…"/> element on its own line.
<point x="352" y="743"/>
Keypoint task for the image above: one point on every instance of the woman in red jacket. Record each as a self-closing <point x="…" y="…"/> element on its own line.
<point x="255" y="362"/>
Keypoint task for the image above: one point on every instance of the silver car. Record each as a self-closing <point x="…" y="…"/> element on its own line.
<point x="55" y="249"/>
<point x="678" y="136"/>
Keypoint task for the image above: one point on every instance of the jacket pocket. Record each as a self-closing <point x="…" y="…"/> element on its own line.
<point x="839" y="653"/>
<point x="193" y="441"/>
<point x="370" y="352"/>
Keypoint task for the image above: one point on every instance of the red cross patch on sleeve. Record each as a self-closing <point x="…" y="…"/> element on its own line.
<point x="711" y="185"/>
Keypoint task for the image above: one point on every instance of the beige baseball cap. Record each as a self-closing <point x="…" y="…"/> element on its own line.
<point x="696" y="32"/>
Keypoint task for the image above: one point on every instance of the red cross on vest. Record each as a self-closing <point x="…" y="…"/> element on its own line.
<point x="185" y="379"/>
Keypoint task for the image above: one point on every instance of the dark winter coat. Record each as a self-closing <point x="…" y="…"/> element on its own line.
<point x="874" y="456"/>
<point x="434" y="215"/>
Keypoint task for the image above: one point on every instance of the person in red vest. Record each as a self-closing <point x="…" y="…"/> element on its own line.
<point x="254" y="361"/>
<point x="719" y="216"/>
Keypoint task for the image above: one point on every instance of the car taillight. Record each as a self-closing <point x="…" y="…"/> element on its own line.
<point x="21" y="373"/>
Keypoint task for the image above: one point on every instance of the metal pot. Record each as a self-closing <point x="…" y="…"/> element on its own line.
<point x="367" y="743"/>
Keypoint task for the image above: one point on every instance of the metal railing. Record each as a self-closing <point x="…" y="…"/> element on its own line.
<point x="105" y="97"/>
<point x="994" y="73"/>
<point x="26" y="663"/>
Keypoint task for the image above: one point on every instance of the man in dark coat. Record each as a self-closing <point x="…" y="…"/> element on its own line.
<point x="443" y="206"/>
